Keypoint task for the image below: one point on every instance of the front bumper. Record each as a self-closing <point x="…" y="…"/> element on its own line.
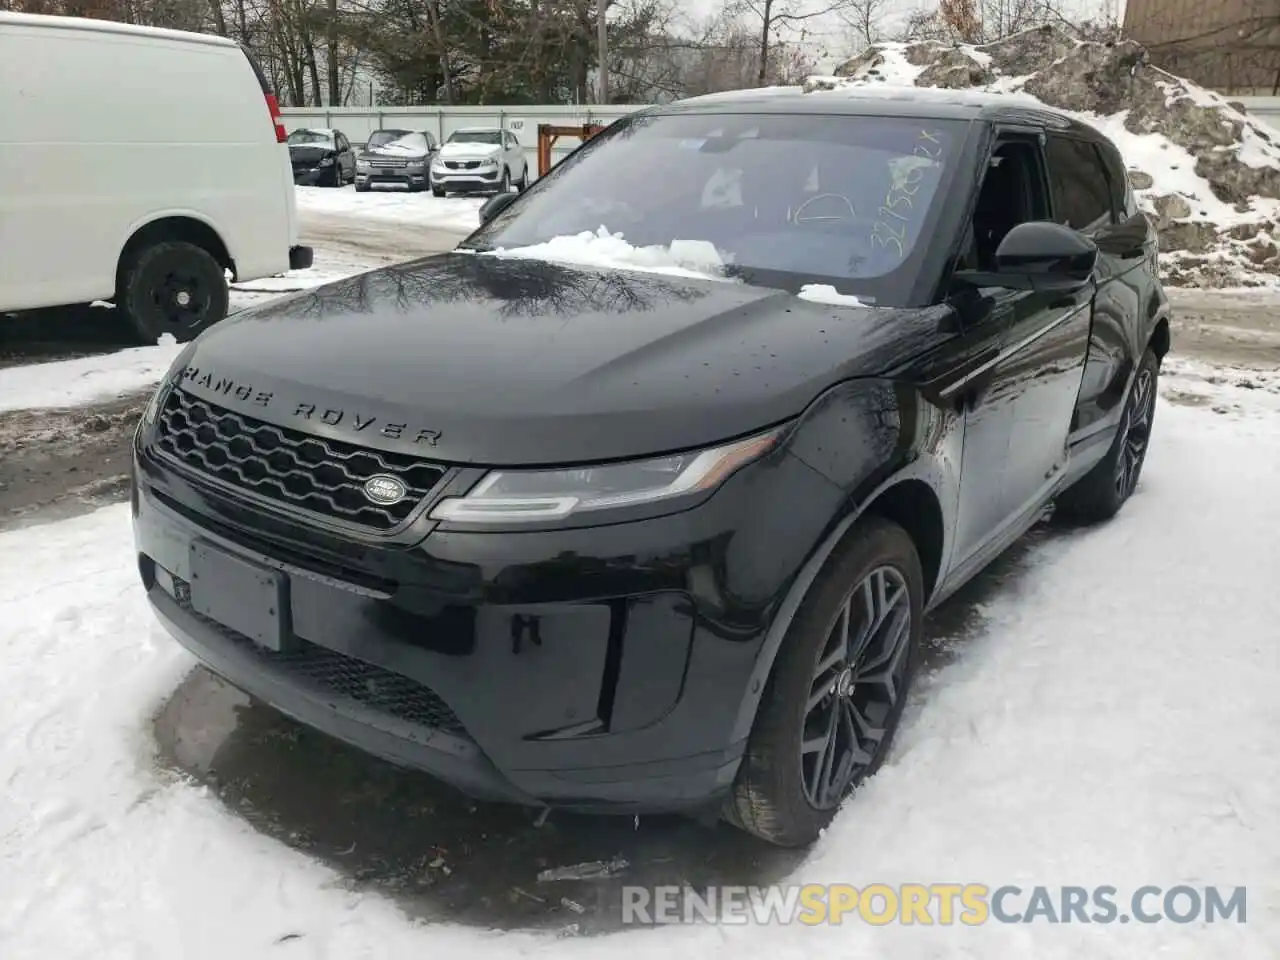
<point x="312" y="176"/>
<point x="597" y="670"/>
<point x="466" y="181"/>
<point x="403" y="177"/>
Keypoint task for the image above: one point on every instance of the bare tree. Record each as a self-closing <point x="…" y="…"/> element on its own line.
<point x="865" y="19"/>
<point x="775" y="16"/>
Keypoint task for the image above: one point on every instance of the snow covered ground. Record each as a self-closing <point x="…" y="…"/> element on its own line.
<point x="397" y="206"/>
<point x="1108" y="719"/>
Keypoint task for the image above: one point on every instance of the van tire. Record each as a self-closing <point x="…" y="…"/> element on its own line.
<point x="153" y="282"/>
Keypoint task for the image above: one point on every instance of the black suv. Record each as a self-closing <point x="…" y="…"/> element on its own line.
<point x="610" y="540"/>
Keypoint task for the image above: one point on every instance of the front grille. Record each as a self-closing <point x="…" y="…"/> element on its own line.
<point x="388" y="162"/>
<point x="462" y="164"/>
<point x="318" y="474"/>
<point x="336" y="673"/>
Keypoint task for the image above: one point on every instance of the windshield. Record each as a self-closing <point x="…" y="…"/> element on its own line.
<point x="398" y="141"/>
<point x="785" y="199"/>
<point x="322" y="137"/>
<point x="476" y="136"/>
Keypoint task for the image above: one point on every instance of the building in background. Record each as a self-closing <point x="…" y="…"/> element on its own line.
<point x="1232" y="46"/>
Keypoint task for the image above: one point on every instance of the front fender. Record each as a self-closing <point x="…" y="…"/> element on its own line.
<point x="867" y="437"/>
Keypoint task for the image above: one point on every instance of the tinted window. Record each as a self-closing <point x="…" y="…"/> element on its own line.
<point x="785" y="199"/>
<point x="1080" y="181"/>
<point x="1118" y="181"/>
<point x="493" y="137"/>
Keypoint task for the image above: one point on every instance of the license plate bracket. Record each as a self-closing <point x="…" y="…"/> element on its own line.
<point x="247" y="597"/>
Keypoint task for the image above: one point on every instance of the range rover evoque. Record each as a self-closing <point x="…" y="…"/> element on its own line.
<point x="660" y="535"/>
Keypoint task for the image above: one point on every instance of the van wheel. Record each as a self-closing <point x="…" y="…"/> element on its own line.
<point x="172" y="287"/>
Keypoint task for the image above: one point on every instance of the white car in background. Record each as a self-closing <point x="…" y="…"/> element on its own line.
<point x="479" y="159"/>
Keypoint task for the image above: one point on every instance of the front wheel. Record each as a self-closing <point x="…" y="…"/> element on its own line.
<point x="837" y="691"/>
<point x="172" y="287"/>
<point x="1101" y="492"/>
<point x="505" y="185"/>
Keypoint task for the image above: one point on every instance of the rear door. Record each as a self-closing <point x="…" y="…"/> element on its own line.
<point x="1092" y="194"/>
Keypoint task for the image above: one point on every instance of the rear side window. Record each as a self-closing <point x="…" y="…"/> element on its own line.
<point x="1082" y="193"/>
<point x="1118" y="182"/>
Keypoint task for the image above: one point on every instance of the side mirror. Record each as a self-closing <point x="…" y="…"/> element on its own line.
<point x="495" y="205"/>
<point x="1039" y="255"/>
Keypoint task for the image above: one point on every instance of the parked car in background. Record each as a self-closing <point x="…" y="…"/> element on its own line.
<point x="138" y="166"/>
<point x="669" y="541"/>
<point x="321" y="157"/>
<point x="398" y="158"/>
<point x="479" y="159"/>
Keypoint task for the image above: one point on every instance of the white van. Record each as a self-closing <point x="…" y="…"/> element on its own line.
<point x="138" y="165"/>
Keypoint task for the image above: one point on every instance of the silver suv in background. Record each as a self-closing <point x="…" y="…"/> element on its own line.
<point x="395" y="158"/>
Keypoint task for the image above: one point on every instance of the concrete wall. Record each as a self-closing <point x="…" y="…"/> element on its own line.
<point x="1266" y="109"/>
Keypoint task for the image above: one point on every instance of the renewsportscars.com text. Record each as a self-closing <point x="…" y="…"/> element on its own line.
<point x="966" y="904"/>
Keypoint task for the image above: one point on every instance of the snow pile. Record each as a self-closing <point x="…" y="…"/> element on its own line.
<point x="1207" y="174"/>
<point x="697" y="259"/>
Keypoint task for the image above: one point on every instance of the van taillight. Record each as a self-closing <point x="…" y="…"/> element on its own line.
<point x="274" y="108"/>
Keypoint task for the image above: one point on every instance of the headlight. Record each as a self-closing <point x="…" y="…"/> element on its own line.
<point x="152" y="409"/>
<point x="532" y="496"/>
<point x="488" y="163"/>
<point x="171" y="376"/>
<point x="362" y="164"/>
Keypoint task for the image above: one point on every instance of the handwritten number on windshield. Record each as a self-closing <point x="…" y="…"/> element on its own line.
<point x="890" y="232"/>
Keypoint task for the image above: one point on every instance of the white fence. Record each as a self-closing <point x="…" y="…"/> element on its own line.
<point x="1266" y="109"/>
<point x="358" y="122"/>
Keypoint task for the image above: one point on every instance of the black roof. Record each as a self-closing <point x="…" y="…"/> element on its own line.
<point x="883" y="100"/>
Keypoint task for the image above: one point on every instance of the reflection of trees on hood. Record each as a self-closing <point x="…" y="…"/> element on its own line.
<point x="513" y="287"/>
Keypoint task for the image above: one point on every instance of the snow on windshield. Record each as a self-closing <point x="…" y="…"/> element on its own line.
<point x="696" y="259"/>
<point x="409" y="143"/>
<point x="827" y="294"/>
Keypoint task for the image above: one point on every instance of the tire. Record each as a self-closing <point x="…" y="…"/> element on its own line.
<point x="155" y="281"/>
<point x="362" y="188"/>
<point x="523" y="185"/>
<point x="1101" y="492"/>
<point x="771" y="796"/>
<point x="505" y="185"/>
<point x="336" y="179"/>
<point x="437" y="191"/>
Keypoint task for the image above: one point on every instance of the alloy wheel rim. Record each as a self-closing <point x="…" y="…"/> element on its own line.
<point x="856" y="686"/>
<point x="1137" y="433"/>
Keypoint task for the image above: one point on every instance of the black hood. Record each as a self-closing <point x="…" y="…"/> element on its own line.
<point x="470" y="358"/>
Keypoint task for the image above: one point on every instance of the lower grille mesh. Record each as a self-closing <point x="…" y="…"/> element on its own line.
<point x="334" y="672"/>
